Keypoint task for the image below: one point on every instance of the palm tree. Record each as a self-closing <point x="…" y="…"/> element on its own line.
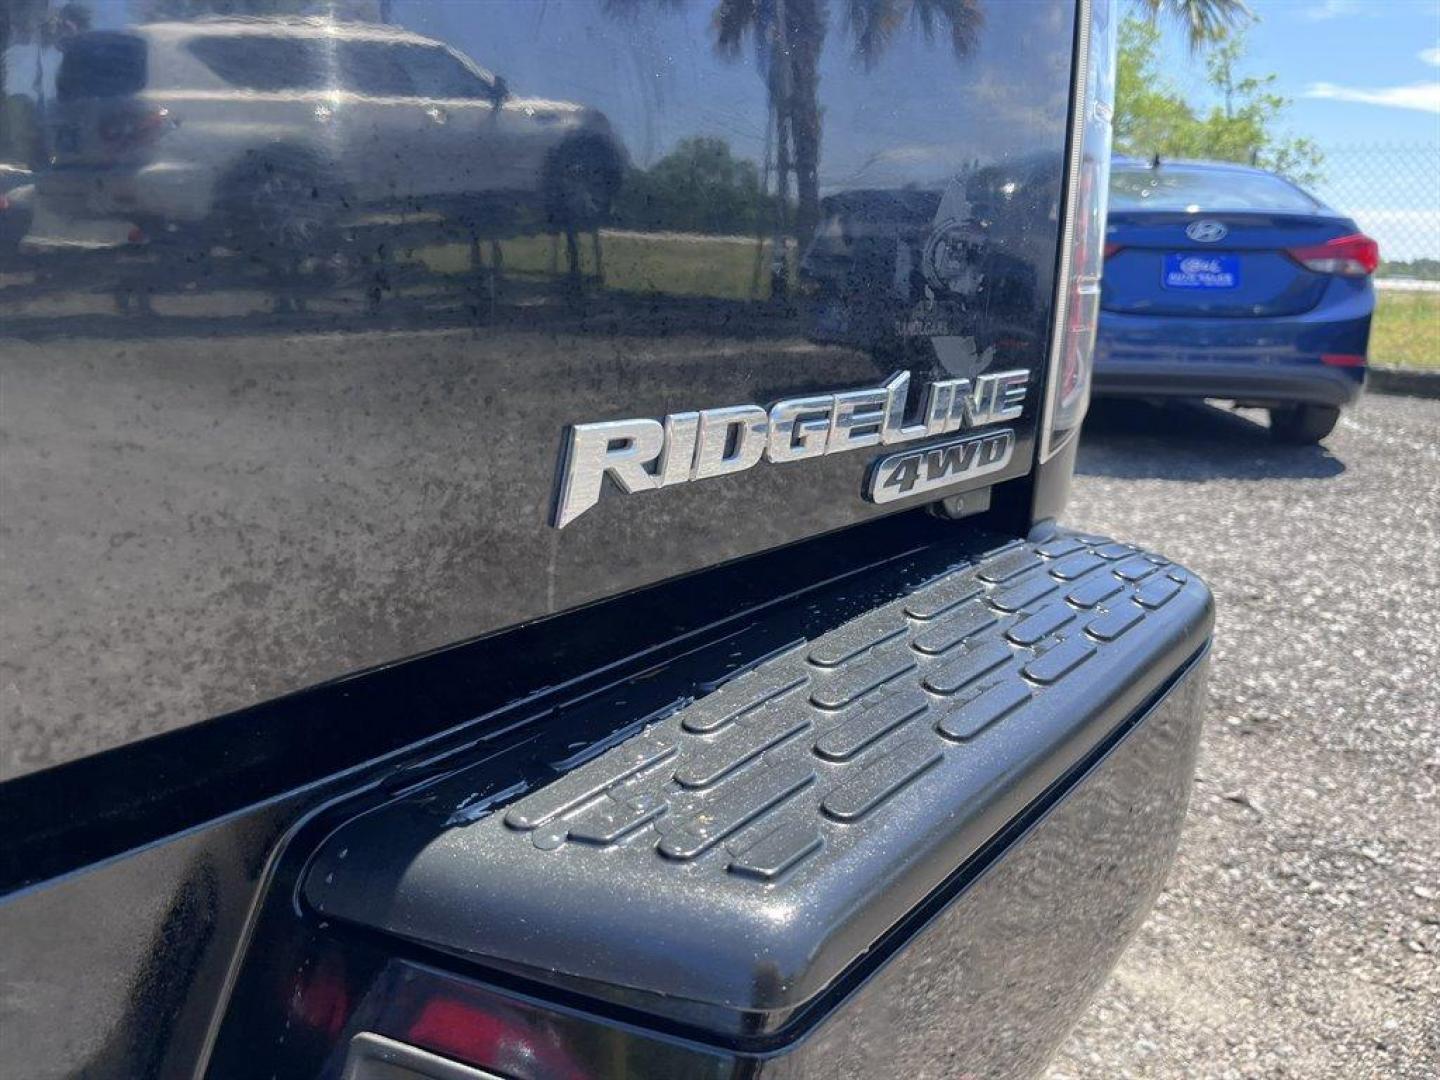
<point x="1204" y="20"/>
<point x="788" y="35"/>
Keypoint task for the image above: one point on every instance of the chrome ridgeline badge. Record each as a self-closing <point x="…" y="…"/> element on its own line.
<point x="645" y="454"/>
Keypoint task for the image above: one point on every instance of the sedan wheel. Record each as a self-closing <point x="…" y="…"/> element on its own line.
<point x="1302" y="424"/>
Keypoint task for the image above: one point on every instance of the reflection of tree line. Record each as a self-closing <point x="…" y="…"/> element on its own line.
<point x="699" y="187"/>
<point x="788" y="37"/>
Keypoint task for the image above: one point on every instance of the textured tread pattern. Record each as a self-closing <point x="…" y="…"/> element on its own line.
<point x="1037" y="627"/>
<point x="983" y="709"/>
<point x="1112" y="624"/>
<point x="773" y="766"/>
<point x="965" y="622"/>
<point x="847" y="739"/>
<point x="744" y="695"/>
<point x="770" y="855"/>
<point x="881" y="778"/>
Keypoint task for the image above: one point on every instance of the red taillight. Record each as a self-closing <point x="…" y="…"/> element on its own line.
<point x="123" y="130"/>
<point x="1350" y="256"/>
<point x="1343" y="359"/>
<point x="321" y="1001"/>
<point x="460" y="1030"/>
<point x="478" y="1036"/>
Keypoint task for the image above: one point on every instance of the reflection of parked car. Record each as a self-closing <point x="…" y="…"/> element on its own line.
<point x="17" y="207"/>
<point x="1228" y="282"/>
<point x="268" y="130"/>
<point x="916" y="262"/>
<point x="858" y="271"/>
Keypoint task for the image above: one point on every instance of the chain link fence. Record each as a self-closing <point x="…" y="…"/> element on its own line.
<point x="1393" y="193"/>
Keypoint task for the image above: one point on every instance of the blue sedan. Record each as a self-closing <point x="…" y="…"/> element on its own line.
<point x="1223" y="281"/>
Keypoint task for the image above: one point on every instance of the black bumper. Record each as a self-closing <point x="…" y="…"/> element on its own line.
<point x="1266" y="384"/>
<point x="980" y="783"/>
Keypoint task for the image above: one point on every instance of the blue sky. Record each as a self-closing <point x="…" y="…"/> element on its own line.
<point x="1364" y="77"/>
<point x="1361" y="71"/>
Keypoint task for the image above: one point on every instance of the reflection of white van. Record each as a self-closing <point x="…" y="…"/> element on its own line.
<point x="271" y="128"/>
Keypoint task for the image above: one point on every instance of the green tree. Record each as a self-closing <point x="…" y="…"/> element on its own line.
<point x="1241" y="123"/>
<point x="701" y="187"/>
<point x="1425" y="269"/>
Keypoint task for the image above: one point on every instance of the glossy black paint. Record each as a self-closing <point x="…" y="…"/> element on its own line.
<point x="235" y="470"/>
<point x="405" y="717"/>
<point x="253" y="449"/>
<point x="183" y="827"/>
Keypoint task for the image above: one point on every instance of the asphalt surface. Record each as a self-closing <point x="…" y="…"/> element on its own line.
<point x="1299" y="933"/>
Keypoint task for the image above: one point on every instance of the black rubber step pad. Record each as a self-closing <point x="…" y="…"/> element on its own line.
<point x="868" y="754"/>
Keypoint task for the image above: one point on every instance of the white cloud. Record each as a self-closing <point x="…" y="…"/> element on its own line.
<point x="1332" y="9"/>
<point x="1424" y="96"/>
<point x="1431" y="56"/>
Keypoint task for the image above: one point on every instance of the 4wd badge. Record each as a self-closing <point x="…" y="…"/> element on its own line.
<point x="645" y="454"/>
<point x="917" y="471"/>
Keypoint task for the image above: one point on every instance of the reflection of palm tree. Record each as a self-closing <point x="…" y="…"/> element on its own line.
<point x="788" y="36"/>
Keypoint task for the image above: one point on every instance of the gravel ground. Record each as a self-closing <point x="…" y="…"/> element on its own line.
<point x="1299" y="935"/>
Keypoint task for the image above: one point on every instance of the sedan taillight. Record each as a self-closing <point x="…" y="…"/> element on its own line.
<point x="1355" y="255"/>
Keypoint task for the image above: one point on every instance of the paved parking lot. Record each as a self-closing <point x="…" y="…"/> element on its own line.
<point x="1299" y="935"/>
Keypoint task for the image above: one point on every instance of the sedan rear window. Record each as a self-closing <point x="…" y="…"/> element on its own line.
<point x="99" y="65"/>
<point x="1168" y="187"/>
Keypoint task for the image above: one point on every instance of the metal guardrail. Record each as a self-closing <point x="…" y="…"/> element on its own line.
<point x="1406" y="285"/>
